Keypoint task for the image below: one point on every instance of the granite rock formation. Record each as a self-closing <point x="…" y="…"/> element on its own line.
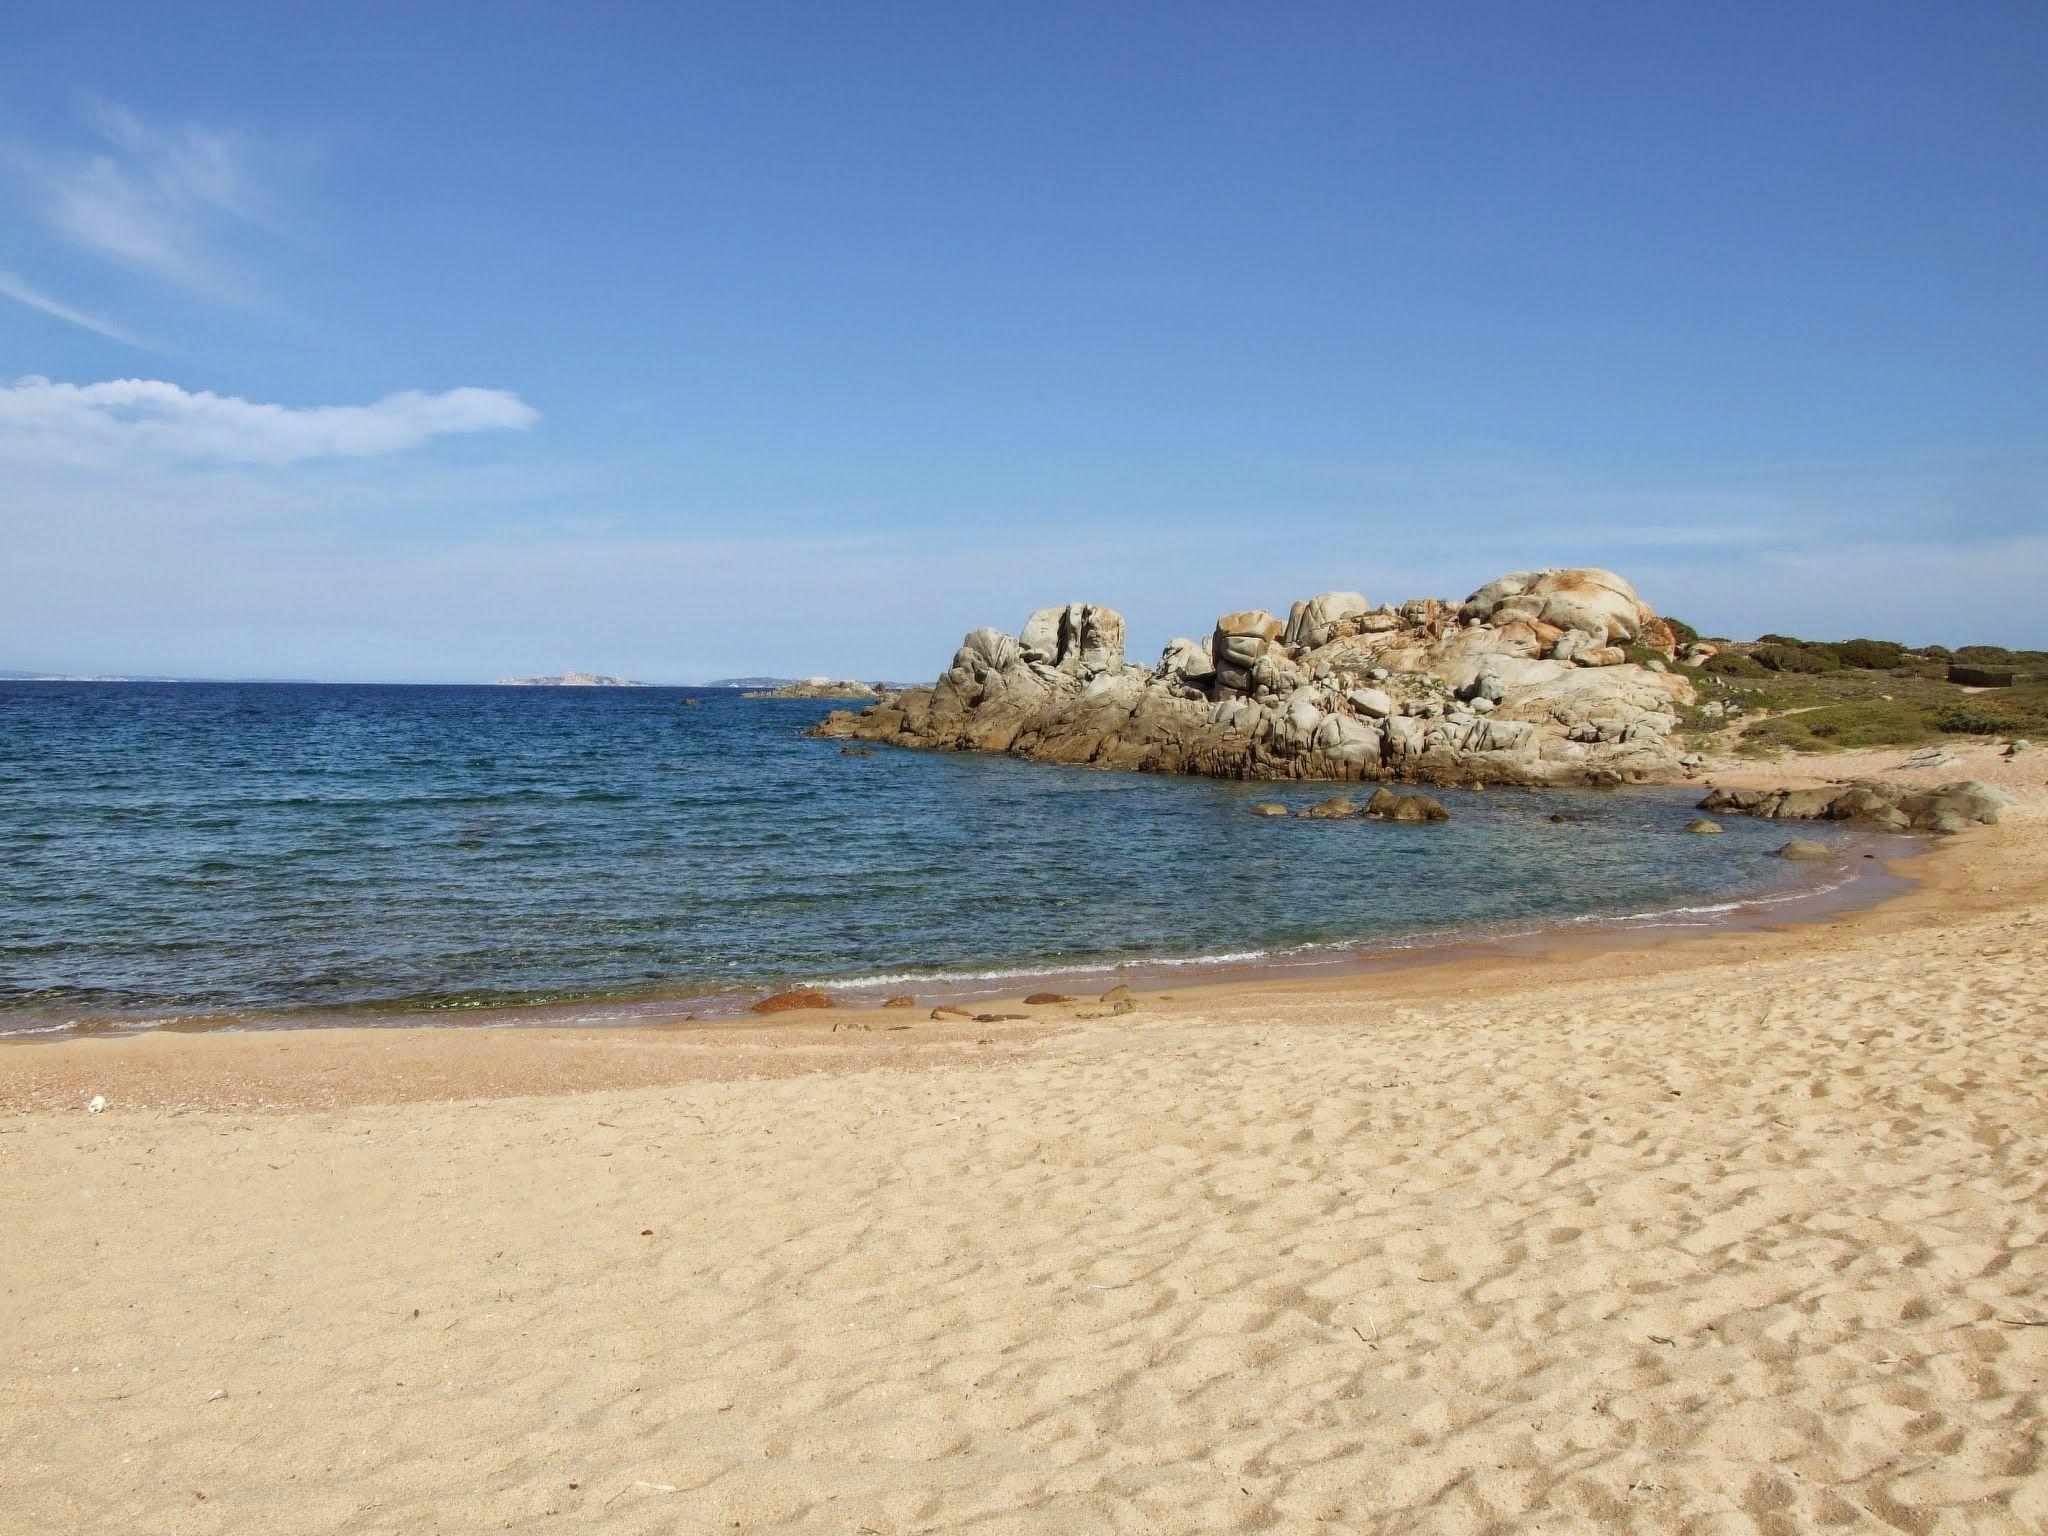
<point x="1869" y="802"/>
<point x="1525" y="682"/>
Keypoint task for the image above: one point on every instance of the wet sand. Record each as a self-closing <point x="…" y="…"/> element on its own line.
<point x="1741" y="1231"/>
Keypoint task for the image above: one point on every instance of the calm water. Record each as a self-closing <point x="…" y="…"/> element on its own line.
<point x="262" y="848"/>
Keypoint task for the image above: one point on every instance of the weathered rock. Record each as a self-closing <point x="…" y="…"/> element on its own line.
<point x="1385" y="805"/>
<point x="1336" y="808"/>
<point x="1269" y="808"/>
<point x="1042" y="999"/>
<point x="1310" y="623"/>
<point x="1079" y="638"/>
<point x="901" y="1000"/>
<point x="789" y="1002"/>
<point x="1341" y="691"/>
<point x="1117" y="994"/>
<point x="1868" y="802"/>
<point x="1592" y="601"/>
<point x="1804" y="848"/>
<point x="1699" y="826"/>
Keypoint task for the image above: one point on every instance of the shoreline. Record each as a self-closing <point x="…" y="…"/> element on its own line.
<point x="428" y="1056"/>
<point x="1861" y="872"/>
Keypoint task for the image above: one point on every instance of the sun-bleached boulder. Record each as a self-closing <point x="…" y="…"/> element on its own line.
<point x="1311" y="621"/>
<point x="1583" y="598"/>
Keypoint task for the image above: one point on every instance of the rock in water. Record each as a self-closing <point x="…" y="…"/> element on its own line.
<point x="1699" y="826"/>
<point x="1870" y="802"/>
<point x="1385" y="805"/>
<point x="1523" y="683"/>
<point x="1804" y="848"/>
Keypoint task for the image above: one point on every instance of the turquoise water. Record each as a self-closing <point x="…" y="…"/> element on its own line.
<point x="268" y="849"/>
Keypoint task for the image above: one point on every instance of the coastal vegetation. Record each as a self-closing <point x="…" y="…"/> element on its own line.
<point x="1780" y="693"/>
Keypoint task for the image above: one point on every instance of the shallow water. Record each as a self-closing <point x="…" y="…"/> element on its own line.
<point x="235" y="849"/>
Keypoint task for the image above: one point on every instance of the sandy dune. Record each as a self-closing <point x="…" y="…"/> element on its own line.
<point x="1739" y="1235"/>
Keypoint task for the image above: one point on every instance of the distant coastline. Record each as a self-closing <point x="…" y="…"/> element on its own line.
<point x="571" y="680"/>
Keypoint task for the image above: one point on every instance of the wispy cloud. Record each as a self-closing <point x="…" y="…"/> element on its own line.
<point x="151" y="420"/>
<point x="158" y="200"/>
<point x="22" y="292"/>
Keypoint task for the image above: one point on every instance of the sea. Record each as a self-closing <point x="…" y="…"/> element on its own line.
<point x="302" y="854"/>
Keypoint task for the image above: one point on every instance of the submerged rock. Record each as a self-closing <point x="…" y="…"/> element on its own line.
<point x="1336" y="808"/>
<point x="1699" y="826"/>
<point x="1524" y="683"/>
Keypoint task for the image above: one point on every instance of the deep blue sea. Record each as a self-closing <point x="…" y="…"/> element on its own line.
<point x="267" y="849"/>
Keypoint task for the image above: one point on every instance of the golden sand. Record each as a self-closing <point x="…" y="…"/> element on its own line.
<point x="1742" y="1233"/>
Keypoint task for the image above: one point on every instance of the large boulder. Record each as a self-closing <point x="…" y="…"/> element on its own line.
<point x="1310" y="622"/>
<point x="1241" y="641"/>
<point x="1584" y="598"/>
<point x="1077" y="637"/>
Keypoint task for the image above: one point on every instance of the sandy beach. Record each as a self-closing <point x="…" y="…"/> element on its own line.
<point x="1740" y="1232"/>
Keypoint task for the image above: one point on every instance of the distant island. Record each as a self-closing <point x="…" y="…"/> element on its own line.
<point x="571" y="680"/>
<point x="749" y="682"/>
<point x="819" y="688"/>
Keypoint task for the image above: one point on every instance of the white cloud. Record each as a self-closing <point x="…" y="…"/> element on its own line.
<point x="21" y="292"/>
<point x="148" y="419"/>
<point x="153" y="199"/>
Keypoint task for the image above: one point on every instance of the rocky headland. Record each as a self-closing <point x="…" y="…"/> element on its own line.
<point x="1540" y="677"/>
<point x="818" y="688"/>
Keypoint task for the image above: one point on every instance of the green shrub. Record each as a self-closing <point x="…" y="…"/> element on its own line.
<point x="1870" y="655"/>
<point x="1937" y="653"/>
<point x="1794" y="658"/>
<point x="1834" y="727"/>
<point x="1779" y="640"/>
<point x="1684" y="632"/>
<point x="1985" y="655"/>
<point x="1734" y="664"/>
<point x="1969" y="720"/>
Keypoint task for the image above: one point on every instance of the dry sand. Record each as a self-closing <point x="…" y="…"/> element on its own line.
<point x="1743" y="1233"/>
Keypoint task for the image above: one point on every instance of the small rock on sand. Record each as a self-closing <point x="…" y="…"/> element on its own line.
<point x="798" y="997"/>
<point x="1037" y="999"/>
<point x="948" y="1011"/>
<point x="900" y="1000"/>
<point x="1118" y="994"/>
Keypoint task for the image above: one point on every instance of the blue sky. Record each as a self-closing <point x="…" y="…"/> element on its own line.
<point x="676" y="340"/>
